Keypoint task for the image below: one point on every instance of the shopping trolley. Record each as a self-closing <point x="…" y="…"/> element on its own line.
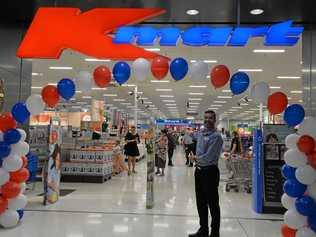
<point x="240" y="179"/>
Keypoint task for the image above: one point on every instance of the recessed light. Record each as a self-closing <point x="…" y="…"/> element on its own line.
<point x="257" y="11"/>
<point x="153" y="49"/>
<point x="96" y="60"/>
<point x="250" y="70"/>
<point x="193" y="86"/>
<point x="192" y="12"/>
<point x="269" y="50"/>
<point x="288" y="77"/>
<point x="60" y="68"/>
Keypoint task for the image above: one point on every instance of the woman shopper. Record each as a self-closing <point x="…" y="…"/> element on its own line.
<point x="162" y="151"/>
<point x="236" y="152"/>
<point x="131" y="148"/>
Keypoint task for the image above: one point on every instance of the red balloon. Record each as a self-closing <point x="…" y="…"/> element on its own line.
<point x="7" y="122"/>
<point x="312" y="159"/>
<point x="160" y="67"/>
<point x="11" y="190"/>
<point x="3" y="204"/>
<point x="277" y="103"/>
<point x="220" y="76"/>
<point x="20" y="176"/>
<point x="287" y="231"/>
<point x="50" y="95"/>
<point x="306" y="144"/>
<point x="102" y="76"/>
<point x="25" y="161"/>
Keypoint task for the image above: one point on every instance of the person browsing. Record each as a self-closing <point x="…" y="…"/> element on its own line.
<point x="207" y="176"/>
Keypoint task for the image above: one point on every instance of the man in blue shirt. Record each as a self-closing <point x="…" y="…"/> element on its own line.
<point x="208" y="149"/>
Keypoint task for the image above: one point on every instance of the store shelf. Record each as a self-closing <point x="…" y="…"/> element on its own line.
<point x="79" y="178"/>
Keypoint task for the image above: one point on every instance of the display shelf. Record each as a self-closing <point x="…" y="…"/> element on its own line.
<point x="85" y="178"/>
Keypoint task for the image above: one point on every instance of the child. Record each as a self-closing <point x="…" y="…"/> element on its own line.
<point x="118" y="159"/>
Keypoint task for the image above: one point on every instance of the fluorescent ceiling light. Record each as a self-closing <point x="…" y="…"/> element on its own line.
<point x="79" y="92"/>
<point x="140" y="92"/>
<point x="158" y="89"/>
<point x="169" y="101"/>
<point x="37" y="74"/>
<point x="275" y="87"/>
<point x="255" y="109"/>
<point x="128" y="85"/>
<point x="288" y="77"/>
<point x="86" y="97"/>
<point x="233" y="110"/>
<point x="289" y="98"/>
<point x="126" y="103"/>
<point x="193" y="61"/>
<point x="192" y="12"/>
<point x="192" y="86"/>
<point x="296" y="92"/>
<point x="194" y="103"/>
<point x="217" y="105"/>
<point x="60" y="68"/>
<point x="210" y="61"/>
<point x="212" y="108"/>
<point x="152" y="49"/>
<point x="250" y="70"/>
<point x="36" y="87"/>
<point x="243" y="104"/>
<point x="269" y="50"/>
<point x="190" y="117"/>
<point x="171" y="104"/>
<point x="52" y="84"/>
<point x="236" y="107"/>
<point x="110" y="95"/>
<point x="226" y="91"/>
<point x="196" y="99"/>
<point x="99" y="89"/>
<point x="208" y="76"/>
<point x="220" y="101"/>
<point x="256" y="11"/>
<point x="119" y="100"/>
<point x="148" y="102"/>
<point x="193" y="93"/>
<point x="96" y="60"/>
<point x="224" y="97"/>
<point x="160" y="81"/>
<point x="166" y="96"/>
<point x="308" y="70"/>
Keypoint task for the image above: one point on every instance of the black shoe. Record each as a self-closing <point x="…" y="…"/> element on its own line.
<point x="199" y="233"/>
<point x="191" y="165"/>
<point x="170" y="164"/>
<point x="186" y="163"/>
<point x="214" y="234"/>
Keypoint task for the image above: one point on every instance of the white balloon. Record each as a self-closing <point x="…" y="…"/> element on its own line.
<point x="260" y="92"/>
<point x="4" y="176"/>
<point x="295" y="158"/>
<point x="20" y="148"/>
<point x="306" y="174"/>
<point x="308" y="127"/>
<point x="23" y="187"/>
<point x="305" y="232"/>
<point x="288" y="202"/>
<point x="291" y="141"/>
<point x="12" y="163"/>
<point x="311" y="190"/>
<point x="35" y="104"/>
<point x="84" y="82"/>
<point x="294" y="220"/>
<point x="199" y="70"/>
<point x="17" y="203"/>
<point x="23" y="134"/>
<point x="9" y="219"/>
<point x="141" y="68"/>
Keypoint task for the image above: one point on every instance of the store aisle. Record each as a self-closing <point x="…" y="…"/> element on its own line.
<point x="117" y="208"/>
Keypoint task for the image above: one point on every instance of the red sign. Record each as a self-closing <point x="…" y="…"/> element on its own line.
<point x="56" y="29"/>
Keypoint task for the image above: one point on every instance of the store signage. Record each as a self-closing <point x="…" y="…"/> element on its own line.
<point x="91" y="33"/>
<point x="282" y="34"/>
<point x="172" y="122"/>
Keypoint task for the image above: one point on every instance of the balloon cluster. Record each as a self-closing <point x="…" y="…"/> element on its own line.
<point x="13" y="171"/>
<point x="299" y="196"/>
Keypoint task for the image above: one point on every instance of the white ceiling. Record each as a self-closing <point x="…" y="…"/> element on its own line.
<point x="272" y="65"/>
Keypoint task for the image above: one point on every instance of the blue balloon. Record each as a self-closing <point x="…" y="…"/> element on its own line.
<point x="66" y="88"/>
<point x="288" y="172"/>
<point x="239" y="83"/>
<point x="12" y="136"/>
<point x="293" y="188"/>
<point x="5" y="149"/>
<point x="294" y="115"/>
<point x="305" y="206"/>
<point x="21" y="213"/>
<point x="121" y="72"/>
<point x="20" y="113"/>
<point x="312" y="222"/>
<point x="179" y="68"/>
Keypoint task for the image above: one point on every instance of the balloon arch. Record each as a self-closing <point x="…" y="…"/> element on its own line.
<point x="300" y="168"/>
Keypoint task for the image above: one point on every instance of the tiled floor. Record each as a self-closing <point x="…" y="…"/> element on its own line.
<point x="117" y="208"/>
